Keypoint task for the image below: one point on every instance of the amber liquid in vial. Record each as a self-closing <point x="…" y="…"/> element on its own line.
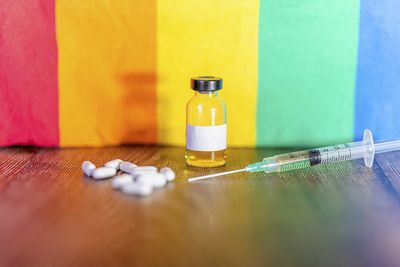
<point x="206" y="109"/>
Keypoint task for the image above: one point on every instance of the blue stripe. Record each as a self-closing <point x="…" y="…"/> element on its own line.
<point x="378" y="76"/>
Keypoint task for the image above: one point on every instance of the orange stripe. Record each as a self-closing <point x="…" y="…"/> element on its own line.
<point x="107" y="64"/>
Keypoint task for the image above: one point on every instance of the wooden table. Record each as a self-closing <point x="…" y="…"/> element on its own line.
<point x="339" y="215"/>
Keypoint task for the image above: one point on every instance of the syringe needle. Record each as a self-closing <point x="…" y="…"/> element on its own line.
<point x="213" y="175"/>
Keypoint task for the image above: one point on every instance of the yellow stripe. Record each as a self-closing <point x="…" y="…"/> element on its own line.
<point x="207" y="37"/>
<point x="107" y="92"/>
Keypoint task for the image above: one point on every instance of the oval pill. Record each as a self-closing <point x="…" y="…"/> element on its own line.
<point x="146" y="168"/>
<point x="88" y="167"/>
<point x="113" y="163"/>
<point x="154" y="179"/>
<point x="136" y="173"/>
<point x="104" y="172"/>
<point x="137" y="189"/>
<point x="168" y="173"/>
<point x="127" y="166"/>
<point x="121" y="180"/>
<point x="143" y="170"/>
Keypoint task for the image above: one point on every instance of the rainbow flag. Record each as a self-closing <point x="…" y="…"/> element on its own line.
<point x="296" y="72"/>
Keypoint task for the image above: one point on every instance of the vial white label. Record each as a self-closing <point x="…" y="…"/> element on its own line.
<point x="206" y="138"/>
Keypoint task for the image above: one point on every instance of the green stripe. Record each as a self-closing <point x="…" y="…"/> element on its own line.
<point x="307" y="65"/>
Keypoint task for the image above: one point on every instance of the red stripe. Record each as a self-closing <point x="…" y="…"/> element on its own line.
<point x="28" y="73"/>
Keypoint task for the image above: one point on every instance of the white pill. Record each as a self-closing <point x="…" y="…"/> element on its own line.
<point x="88" y="167"/>
<point x="104" y="172"/>
<point x="154" y="179"/>
<point x="113" y="163"/>
<point x="121" y="180"/>
<point x="127" y="166"/>
<point x="137" y="189"/>
<point x="146" y="168"/>
<point x="168" y="173"/>
<point x="143" y="170"/>
<point x="136" y="173"/>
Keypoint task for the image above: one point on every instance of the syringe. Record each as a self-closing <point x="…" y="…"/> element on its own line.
<point x="365" y="149"/>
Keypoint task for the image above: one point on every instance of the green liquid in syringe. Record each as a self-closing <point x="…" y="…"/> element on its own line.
<point x="293" y="161"/>
<point x="295" y="165"/>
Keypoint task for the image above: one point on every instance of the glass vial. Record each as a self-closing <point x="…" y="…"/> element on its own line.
<point x="206" y="124"/>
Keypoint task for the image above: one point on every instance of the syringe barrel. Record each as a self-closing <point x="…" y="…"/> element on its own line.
<point x="342" y="152"/>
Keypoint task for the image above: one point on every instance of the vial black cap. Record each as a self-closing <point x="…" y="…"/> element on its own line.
<point x="206" y="83"/>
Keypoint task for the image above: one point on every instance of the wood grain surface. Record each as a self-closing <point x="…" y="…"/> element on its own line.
<point x="339" y="215"/>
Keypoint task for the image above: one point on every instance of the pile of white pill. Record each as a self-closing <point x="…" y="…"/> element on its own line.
<point x="130" y="178"/>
